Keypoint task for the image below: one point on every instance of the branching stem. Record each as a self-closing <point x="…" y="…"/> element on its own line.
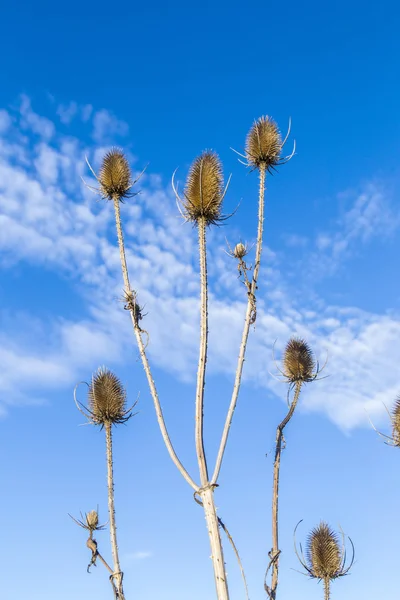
<point x="250" y="317"/>
<point x="145" y="362"/>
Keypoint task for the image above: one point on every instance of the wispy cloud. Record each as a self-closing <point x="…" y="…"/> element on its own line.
<point x="47" y="217"/>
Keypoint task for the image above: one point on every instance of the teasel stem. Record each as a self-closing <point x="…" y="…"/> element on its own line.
<point x="145" y="362"/>
<point x="247" y="324"/>
<point x="117" y="575"/>
<point x="207" y="491"/>
<point x="275" y="552"/>
<point x="201" y="370"/>
<point x="217" y="554"/>
<point x="327" y="588"/>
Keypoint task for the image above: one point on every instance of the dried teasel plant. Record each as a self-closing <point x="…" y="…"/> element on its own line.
<point x="106" y="407"/>
<point x="90" y="522"/>
<point x="325" y="555"/>
<point x="298" y="367"/>
<point x="201" y="204"/>
<point x="394" y="416"/>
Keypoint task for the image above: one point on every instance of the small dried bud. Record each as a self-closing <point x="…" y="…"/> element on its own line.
<point x="115" y="177"/>
<point x="263" y="144"/>
<point x="204" y="189"/>
<point x="107" y="398"/>
<point x="324" y="553"/>
<point x="298" y="361"/>
<point x="396" y="422"/>
<point x="239" y="251"/>
<point x="92" y="520"/>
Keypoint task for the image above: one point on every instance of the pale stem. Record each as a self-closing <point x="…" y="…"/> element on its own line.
<point x="217" y="554"/>
<point x="327" y="589"/>
<point x="118" y="575"/>
<point x="275" y="552"/>
<point x="246" y="328"/>
<point x="146" y="366"/>
<point x="201" y="371"/>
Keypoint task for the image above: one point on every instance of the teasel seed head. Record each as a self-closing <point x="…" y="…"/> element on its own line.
<point x="239" y="251"/>
<point x="298" y="362"/>
<point x="324" y="553"/>
<point x="115" y="176"/>
<point x="107" y="398"/>
<point x="92" y="520"/>
<point x="396" y="422"/>
<point x="263" y="144"/>
<point x="204" y="190"/>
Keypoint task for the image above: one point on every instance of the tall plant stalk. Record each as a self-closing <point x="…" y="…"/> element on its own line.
<point x="207" y="492"/>
<point x="275" y="552"/>
<point x="117" y="575"/>
<point x="249" y="318"/>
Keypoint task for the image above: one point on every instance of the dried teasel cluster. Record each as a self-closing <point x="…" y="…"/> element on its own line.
<point x="264" y="144"/>
<point x="298" y="363"/>
<point x="325" y="555"/>
<point x="395" y="417"/>
<point x="204" y="190"/>
<point x="107" y="398"/>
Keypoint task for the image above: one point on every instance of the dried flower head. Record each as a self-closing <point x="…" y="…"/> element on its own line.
<point x="107" y="398"/>
<point x="325" y="556"/>
<point x="204" y="190"/>
<point x="298" y="362"/>
<point x="324" y="552"/>
<point x="90" y="521"/>
<point x="115" y="176"/>
<point x="264" y="144"/>
<point x="240" y="251"/>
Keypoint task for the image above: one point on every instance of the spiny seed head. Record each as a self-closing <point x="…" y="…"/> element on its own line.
<point x="298" y="361"/>
<point x="324" y="554"/>
<point x="115" y="176"/>
<point x="92" y="520"/>
<point x="396" y="422"/>
<point x="263" y="144"/>
<point x="107" y="398"/>
<point x="204" y="189"/>
<point x="239" y="251"/>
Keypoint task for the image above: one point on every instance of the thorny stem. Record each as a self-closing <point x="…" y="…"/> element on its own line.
<point x="117" y="575"/>
<point x="327" y="588"/>
<point x="201" y="371"/>
<point x="275" y="552"/>
<point x="146" y="366"/>
<point x="247" y="322"/>
<point x="207" y="494"/>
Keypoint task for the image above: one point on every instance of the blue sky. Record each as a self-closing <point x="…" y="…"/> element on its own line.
<point x="165" y="82"/>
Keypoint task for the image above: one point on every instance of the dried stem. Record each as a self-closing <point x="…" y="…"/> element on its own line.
<point x="117" y="574"/>
<point x="217" y="554"/>
<point x="207" y="494"/>
<point x="327" y="588"/>
<point x="146" y="366"/>
<point x="275" y="552"/>
<point x="250" y="317"/>
<point x="201" y="371"/>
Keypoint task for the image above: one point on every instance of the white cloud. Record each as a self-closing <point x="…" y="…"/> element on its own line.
<point x="135" y="556"/>
<point x="106" y="127"/>
<point x="47" y="217"/>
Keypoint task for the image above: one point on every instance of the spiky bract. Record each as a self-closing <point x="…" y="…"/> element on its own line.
<point x="107" y="398"/>
<point x="115" y="176"/>
<point x="298" y="361"/>
<point x="263" y="144"/>
<point x="396" y="422"/>
<point x="324" y="555"/>
<point x="204" y="190"/>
